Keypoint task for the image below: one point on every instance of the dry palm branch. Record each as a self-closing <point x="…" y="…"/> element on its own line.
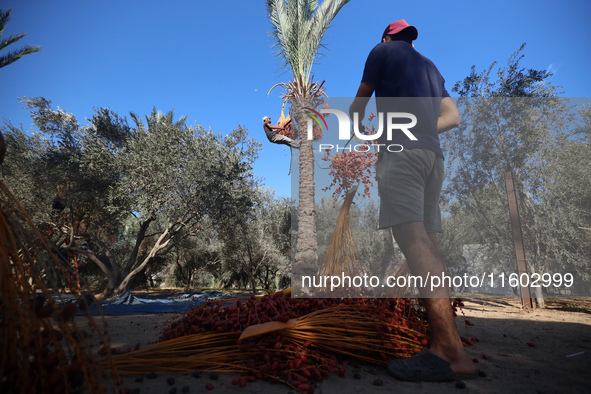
<point x="42" y="349"/>
<point x="341" y="256"/>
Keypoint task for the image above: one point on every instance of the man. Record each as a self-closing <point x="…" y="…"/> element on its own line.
<point x="274" y="136"/>
<point x="409" y="184"/>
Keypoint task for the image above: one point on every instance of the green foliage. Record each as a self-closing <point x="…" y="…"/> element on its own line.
<point x="58" y="164"/>
<point x="257" y="248"/>
<point x="516" y="123"/>
<point x="510" y="81"/>
<point x="176" y="171"/>
<point x="298" y="31"/>
<point x="129" y="200"/>
<point x="196" y="259"/>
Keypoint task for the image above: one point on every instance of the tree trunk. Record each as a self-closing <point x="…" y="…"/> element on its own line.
<point x="160" y="244"/>
<point x="112" y="274"/>
<point x="138" y="243"/>
<point x="539" y="297"/>
<point x="306" y="255"/>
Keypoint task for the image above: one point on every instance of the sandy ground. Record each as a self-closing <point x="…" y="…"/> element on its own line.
<point x="560" y="361"/>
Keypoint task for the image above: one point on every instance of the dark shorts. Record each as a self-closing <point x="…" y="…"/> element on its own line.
<point x="409" y="184"/>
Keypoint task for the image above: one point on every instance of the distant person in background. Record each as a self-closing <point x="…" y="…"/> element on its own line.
<point x="273" y="135"/>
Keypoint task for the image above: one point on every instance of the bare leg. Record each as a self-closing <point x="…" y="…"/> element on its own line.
<point x="421" y="250"/>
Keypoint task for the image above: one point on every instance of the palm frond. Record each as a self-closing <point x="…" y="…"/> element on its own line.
<point x="298" y="28"/>
<point x="4" y="18"/>
<point x="12" y="57"/>
<point x="11" y="40"/>
<point x="297" y="89"/>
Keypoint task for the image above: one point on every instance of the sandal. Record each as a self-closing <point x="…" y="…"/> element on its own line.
<point x="425" y="366"/>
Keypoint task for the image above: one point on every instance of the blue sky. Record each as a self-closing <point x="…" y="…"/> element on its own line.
<point x="213" y="61"/>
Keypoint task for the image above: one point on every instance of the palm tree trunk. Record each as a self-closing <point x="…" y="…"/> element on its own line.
<point x="306" y="256"/>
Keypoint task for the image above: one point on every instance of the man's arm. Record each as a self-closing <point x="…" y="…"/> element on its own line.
<point x="449" y="116"/>
<point x="362" y="97"/>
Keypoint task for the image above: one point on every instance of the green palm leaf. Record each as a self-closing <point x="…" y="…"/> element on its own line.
<point x="298" y="28"/>
<point x="13" y="56"/>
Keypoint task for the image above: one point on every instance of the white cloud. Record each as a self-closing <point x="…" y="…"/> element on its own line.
<point x="553" y="68"/>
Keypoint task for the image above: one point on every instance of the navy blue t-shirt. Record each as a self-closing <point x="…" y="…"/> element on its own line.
<point x="398" y="71"/>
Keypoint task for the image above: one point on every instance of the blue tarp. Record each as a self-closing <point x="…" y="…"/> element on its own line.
<point x="128" y="304"/>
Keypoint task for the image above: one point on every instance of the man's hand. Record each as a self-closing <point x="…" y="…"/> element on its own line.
<point x="362" y="97"/>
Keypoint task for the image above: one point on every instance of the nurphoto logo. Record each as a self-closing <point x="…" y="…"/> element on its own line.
<point x="392" y="124"/>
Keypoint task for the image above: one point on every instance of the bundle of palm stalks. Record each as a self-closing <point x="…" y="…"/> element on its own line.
<point x="342" y="259"/>
<point x="341" y="256"/>
<point x="42" y="350"/>
<point x="282" y="339"/>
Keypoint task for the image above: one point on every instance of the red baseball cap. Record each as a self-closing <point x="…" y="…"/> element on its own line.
<point x="398" y="26"/>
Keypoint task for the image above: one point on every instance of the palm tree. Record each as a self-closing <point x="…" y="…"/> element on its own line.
<point x="298" y="30"/>
<point x="158" y="118"/>
<point x="10" y="57"/>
